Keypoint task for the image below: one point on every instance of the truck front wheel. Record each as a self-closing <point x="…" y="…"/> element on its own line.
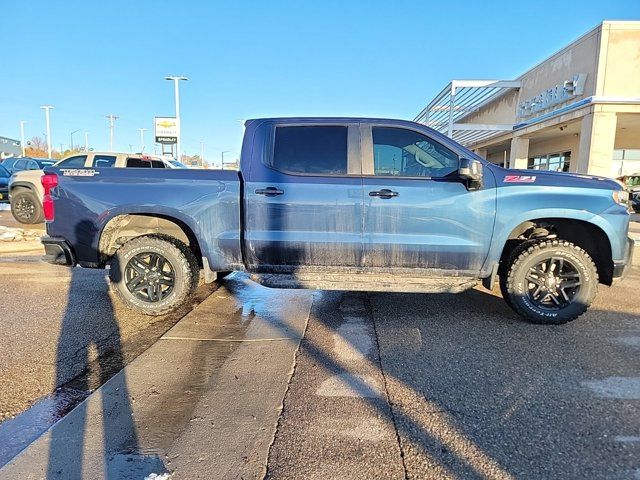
<point x="551" y="282"/>
<point x="154" y="274"/>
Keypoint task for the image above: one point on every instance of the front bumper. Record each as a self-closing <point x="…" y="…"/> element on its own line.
<point x="621" y="269"/>
<point x="58" y="251"/>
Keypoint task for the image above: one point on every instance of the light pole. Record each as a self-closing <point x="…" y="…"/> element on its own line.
<point x="176" y="89"/>
<point x="22" y="122"/>
<point x="75" y="131"/>
<point x="86" y="141"/>
<point x="46" y="115"/>
<point x="111" y="118"/>
<point x="142" y="130"/>
<point x="202" y="152"/>
<point x="226" y="151"/>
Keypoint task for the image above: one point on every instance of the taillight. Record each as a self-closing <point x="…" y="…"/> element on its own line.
<point x="49" y="181"/>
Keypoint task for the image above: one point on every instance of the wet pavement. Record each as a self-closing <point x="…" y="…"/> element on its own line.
<point x="208" y="393"/>
<point x="257" y="382"/>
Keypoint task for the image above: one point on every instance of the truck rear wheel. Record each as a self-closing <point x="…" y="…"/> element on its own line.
<point x="551" y="282"/>
<point x="154" y="274"/>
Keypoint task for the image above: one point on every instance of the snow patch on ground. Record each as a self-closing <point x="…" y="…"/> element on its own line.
<point x="5" y="207"/>
<point x="14" y="234"/>
<point x="156" y="476"/>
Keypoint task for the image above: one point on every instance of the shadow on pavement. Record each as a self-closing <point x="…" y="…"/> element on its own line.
<point x="120" y="438"/>
<point x="476" y="392"/>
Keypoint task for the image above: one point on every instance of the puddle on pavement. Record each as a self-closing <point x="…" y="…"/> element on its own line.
<point x="17" y="433"/>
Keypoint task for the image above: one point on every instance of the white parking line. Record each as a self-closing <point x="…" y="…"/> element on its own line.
<point x="624" y="388"/>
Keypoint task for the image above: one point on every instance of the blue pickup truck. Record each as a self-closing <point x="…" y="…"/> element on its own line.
<point x="345" y="204"/>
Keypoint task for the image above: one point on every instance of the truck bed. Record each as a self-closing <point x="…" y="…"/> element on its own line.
<point x="205" y="201"/>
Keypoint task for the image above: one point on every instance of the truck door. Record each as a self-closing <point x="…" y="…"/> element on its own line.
<point x="304" y="199"/>
<point x="417" y="213"/>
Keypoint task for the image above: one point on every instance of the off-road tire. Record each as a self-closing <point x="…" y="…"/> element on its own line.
<point x="27" y="196"/>
<point x="182" y="260"/>
<point x="515" y="285"/>
<point x="504" y="268"/>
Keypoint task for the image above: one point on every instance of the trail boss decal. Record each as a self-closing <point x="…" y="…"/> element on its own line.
<point x="519" y="178"/>
<point x="78" y="172"/>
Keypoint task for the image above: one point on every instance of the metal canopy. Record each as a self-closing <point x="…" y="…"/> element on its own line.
<point x="459" y="99"/>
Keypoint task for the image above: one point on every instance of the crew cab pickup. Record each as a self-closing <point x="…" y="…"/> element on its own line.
<point x="345" y="204"/>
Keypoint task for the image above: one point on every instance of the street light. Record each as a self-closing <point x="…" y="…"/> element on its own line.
<point x="142" y="130"/>
<point x="75" y="131"/>
<point x="226" y="151"/>
<point x="176" y="89"/>
<point x="46" y="115"/>
<point x="86" y="141"/>
<point x="22" y="122"/>
<point x="111" y="118"/>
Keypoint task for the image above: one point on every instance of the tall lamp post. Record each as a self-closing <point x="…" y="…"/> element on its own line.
<point x="22" y="122"/>
<point x="75" y="131"/>
<point x="46" y="116"/>
<point x="86" y="141"/>
<point x="111" y="118"/>
<point x="142" y="130"/>
<point x="176" y="89"/>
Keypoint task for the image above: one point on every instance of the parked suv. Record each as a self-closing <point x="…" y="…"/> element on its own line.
<point x="18" y="164"/>
<point x="25" y="189"/>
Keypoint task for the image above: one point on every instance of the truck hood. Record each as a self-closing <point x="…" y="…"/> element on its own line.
<point x="507" y="177"/>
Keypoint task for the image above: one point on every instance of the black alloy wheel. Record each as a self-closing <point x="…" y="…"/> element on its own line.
<point x="149" y="276"/>
<point x="553" y="284"/>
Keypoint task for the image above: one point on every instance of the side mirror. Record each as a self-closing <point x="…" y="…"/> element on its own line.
<point x="471" y="171"/>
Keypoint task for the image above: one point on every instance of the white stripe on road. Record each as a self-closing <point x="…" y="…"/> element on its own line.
<point x="623" y="388"/>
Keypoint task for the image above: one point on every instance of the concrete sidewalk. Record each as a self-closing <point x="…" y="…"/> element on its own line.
<point x="202" y="402"/>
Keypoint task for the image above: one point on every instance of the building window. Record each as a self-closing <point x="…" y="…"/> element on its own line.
<point x="625" y="162"/>
<point x="555" y="162"/>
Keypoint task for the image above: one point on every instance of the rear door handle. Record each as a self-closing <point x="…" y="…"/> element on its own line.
<point x="384" y="193"/>
<point x="269" y="191"/>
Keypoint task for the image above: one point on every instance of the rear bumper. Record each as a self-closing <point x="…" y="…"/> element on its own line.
<point x="621" y="269"/>
<point x="58" y="251"/>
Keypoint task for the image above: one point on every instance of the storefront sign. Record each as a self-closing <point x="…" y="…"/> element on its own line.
<point x="167" y="129"/>
<point x="553" y="96"/>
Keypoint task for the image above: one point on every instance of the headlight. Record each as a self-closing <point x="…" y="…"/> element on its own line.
<point x="621" y="197"/>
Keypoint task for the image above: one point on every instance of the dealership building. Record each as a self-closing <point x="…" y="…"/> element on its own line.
<point x="576" y="111"/>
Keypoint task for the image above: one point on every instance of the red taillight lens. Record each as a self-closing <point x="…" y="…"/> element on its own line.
<point x="49" y="181"/>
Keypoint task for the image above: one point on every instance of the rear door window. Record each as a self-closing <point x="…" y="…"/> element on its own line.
<point x="104" y="161"/>
<point x="73" y="162"/>
<point x="311" y="150"/>
<point x="136" y="162"/>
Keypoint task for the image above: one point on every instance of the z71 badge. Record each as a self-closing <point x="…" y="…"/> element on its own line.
<point x="519" y="178"/>
<point x="78" y="172"/>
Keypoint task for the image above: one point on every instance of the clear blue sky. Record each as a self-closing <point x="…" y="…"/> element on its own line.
<point x="249" y="59"/>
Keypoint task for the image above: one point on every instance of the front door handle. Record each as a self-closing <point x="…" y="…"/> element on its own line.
<point x="384" y="193"/>
<point x="269" y="191"/>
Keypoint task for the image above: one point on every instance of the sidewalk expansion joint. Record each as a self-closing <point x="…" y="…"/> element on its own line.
<point x="235" y="340"/>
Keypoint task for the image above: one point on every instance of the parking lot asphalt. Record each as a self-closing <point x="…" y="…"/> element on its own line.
<point x="470" y="390"/>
